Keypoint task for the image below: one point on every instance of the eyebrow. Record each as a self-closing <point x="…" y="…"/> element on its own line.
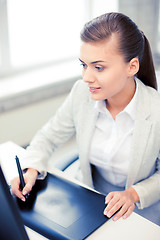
<point x="92" y="62"/>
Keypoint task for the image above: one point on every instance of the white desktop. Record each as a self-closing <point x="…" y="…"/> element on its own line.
<point x="134" y="227"/>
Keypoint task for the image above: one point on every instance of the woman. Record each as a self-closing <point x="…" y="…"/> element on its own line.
<point x="115" y="116"/>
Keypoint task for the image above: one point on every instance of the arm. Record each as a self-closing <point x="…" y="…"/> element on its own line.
<point x="56" y="132"/>
<point x="143" y="194"/>
<point x="148" y="191"/>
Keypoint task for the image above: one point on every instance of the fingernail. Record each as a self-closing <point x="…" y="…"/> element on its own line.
<point x="105" y="212"/>
<point x="115" y="219"/>
<point x="23" y="199"/>
<point x="109" y="215"/>
<point x="24" y="192"/>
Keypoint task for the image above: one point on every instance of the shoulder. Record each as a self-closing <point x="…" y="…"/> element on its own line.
<point x="80" y="91"/>
<point x="80" y="85"/>
<point x="150" y="97"/>
<point x="147" y="91"/>
<point x="154" y="96"/>
<point x="80" y="101"/>
<point x="148" y="102"/>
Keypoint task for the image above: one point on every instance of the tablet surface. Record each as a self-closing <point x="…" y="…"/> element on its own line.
<point x="60" y="209"/>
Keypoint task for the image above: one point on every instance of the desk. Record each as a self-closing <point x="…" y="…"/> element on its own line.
<point x="34" y="235"/>
<point x="134" y="227"/>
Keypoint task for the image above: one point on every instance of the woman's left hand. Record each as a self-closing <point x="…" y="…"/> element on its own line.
<point x="122" y="202"/>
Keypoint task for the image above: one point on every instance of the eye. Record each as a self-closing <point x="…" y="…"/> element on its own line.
<point x="99" y="68"/>
<point x="83" y="65"/>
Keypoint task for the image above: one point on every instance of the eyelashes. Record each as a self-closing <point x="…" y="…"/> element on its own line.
<point x="83" y="65"/>
<point x="98" y="68"/>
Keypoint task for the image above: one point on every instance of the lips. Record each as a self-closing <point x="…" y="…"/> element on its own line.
<point x="94" y="89"/>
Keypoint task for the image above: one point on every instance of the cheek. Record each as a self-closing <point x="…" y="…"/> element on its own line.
<point x="109" y="79"/>
<point x="115" y="75"/>
<point x="112" y="82"/>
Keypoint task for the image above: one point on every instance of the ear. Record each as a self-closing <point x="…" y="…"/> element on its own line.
<point x="133" y="67"/>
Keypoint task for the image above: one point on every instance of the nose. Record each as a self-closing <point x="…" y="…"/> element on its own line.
<point x="88" y="76"/>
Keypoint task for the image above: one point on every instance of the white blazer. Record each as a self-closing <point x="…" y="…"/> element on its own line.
<point x="78" y="116"/>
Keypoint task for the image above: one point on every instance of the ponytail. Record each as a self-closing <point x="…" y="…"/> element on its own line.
<point x="146" y="71"/>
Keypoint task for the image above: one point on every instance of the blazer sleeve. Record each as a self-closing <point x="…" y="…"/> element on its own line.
<point x="149" y="189"/>
<point x="52" y="135"/>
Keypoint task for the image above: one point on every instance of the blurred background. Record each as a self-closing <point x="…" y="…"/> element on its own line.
<point x="39" y="50"/>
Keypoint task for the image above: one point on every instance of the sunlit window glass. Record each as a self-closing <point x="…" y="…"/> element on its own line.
<point x="102" y="6"/>
<point x="44" y="30"/>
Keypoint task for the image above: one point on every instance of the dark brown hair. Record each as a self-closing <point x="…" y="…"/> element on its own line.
<point x="132" y="42"/>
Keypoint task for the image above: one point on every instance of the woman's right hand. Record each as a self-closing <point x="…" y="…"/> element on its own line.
<point x="30" y="178"/>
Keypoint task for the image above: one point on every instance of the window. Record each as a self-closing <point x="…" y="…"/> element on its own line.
<point x="43" y="34"/>
<point x="39" y="32"/>
<point x="102" y="6"/>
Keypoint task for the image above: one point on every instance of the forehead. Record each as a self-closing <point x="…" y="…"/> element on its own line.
<point x="105" y="50"/>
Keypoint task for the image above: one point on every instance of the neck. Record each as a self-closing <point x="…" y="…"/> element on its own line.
<point x="117" y="103"/>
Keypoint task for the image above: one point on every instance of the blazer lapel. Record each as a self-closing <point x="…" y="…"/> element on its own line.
<point x="140" y="135"/>
<point x="85" y="133"/>
<point x="140" y="139"/>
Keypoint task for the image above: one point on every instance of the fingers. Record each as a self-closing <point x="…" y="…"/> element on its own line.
<point x="27" y="188"/>
<point x="128" y="213"/>
<point x="119" y="203"/>
<point x="109" y="197"/>
<point x="15" y="183"/>
<point x="124" y="212"/>
<point x="29" y="177"/>
<point x="113" y="203"/>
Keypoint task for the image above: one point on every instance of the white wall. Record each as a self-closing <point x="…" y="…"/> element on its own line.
<point x="21" y="124"/>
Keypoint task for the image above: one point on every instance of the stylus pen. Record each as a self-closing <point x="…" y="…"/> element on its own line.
<point x="22" y="182"/>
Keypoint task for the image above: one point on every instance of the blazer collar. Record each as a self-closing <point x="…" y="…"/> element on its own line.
<point x="143" y="101"/>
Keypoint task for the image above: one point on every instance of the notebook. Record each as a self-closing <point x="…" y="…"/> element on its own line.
<point x="60" y="209"/>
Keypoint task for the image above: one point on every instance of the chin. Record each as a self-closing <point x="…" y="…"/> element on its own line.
<point x="96" y="98"/>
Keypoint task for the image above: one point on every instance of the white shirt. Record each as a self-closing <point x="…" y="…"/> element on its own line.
<point x="111" y="143"/>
